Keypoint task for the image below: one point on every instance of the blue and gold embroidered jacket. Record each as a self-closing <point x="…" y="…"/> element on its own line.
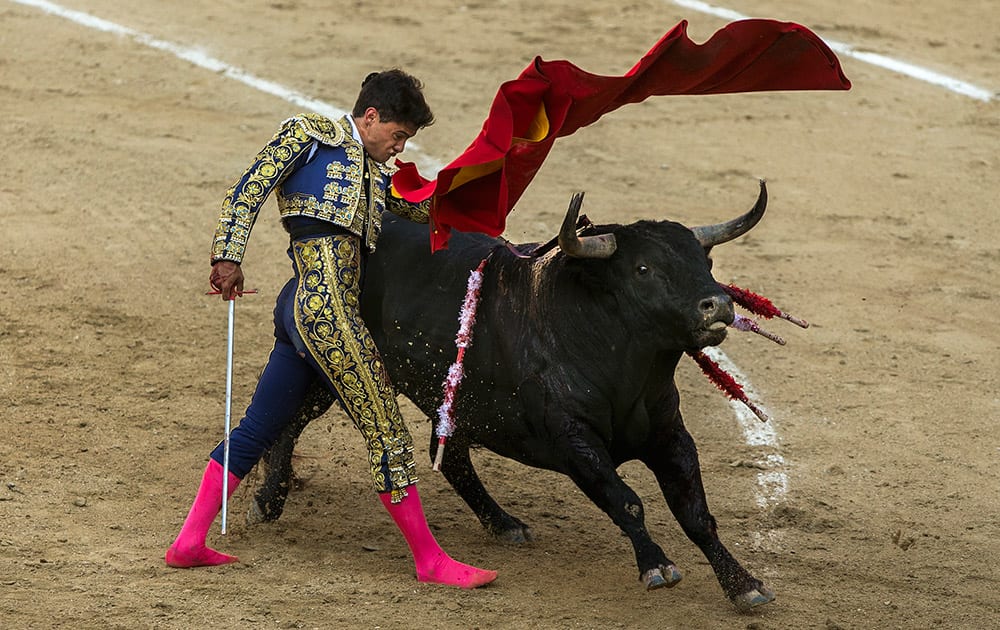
<point x="318" y="169"/>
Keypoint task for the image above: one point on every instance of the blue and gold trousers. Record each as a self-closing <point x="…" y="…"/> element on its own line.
<point x="319" y="334"/>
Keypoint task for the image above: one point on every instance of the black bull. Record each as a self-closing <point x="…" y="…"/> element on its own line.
<point x="571" y="368"/>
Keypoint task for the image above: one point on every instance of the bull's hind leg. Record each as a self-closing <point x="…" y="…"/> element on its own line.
<point x="458" y="470"/>
<point x="269" y="502"/>
<point x="673" y="458"/>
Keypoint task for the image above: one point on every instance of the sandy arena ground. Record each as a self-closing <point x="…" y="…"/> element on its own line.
<point x="881" y="231"/>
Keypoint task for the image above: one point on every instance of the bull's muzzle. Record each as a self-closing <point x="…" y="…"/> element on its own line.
<point x="717" y="314"/>
<point x="717" y="309"/>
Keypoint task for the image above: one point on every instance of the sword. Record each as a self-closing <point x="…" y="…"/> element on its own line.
<point x="229" y="404"/>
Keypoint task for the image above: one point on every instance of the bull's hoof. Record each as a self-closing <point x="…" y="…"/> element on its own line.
<point x="753" y="598"/>
<point x="255" y="515"/>
<point x="654" y="578"/>
<point x="508" y="530"/>
<point x="516" y="536"/>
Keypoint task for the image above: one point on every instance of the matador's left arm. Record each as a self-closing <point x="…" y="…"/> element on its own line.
<point x="416" y="212"/>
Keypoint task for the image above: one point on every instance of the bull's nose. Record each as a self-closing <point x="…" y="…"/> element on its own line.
<point x="717" y="308"/>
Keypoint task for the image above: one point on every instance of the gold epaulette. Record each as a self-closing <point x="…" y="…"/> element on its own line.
<point x="327" y="131"/>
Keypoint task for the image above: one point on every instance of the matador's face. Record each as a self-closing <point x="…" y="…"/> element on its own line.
<point x="383" y="140"/>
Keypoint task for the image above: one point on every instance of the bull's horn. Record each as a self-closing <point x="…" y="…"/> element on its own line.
<point x="711" y="235"/>
<point x="598" y="246"/>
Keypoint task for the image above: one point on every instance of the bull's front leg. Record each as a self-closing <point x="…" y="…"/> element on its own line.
<point x="673" y="458"/>
<point x="269" y="502"/>
<point x="590" y="466"/>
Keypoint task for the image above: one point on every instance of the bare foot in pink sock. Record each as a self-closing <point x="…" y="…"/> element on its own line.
<point x="196" y="557"/>
<point x="444" y="570"/>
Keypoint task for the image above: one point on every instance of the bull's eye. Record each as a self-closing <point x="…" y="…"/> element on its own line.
<point x="642" y="270"/>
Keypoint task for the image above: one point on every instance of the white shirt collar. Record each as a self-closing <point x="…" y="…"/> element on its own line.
<point x="354" y="130"/>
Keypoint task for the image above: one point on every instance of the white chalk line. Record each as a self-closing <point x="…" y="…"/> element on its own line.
<point x="202" y="60"/>
<point x="882" y="61"/>
<point x="772" y="482"/>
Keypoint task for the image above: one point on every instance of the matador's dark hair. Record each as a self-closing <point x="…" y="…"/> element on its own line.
<point x="397" y="96"/>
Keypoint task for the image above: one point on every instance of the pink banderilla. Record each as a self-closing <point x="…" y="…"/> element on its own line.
<point x="467" y="319"/>
<point x="760" y="305"/>
<point x="725" y="382"/>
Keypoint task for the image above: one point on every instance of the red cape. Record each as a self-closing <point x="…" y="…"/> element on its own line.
<point x="477" y="190"/>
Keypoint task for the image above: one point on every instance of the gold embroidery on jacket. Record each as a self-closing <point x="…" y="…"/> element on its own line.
<point x="326" y="130"/>
<point x="346" y="200"/>
<point x="242" y="204"/>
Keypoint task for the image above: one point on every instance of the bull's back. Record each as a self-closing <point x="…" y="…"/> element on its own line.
<point x="411" y="303"/>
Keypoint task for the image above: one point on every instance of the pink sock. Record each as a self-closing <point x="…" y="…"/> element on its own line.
<point x="432" y="563"/>
<point x="189" y="548"/>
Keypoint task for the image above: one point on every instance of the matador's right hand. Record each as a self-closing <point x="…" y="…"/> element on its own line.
<point x="227" y="278"/>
